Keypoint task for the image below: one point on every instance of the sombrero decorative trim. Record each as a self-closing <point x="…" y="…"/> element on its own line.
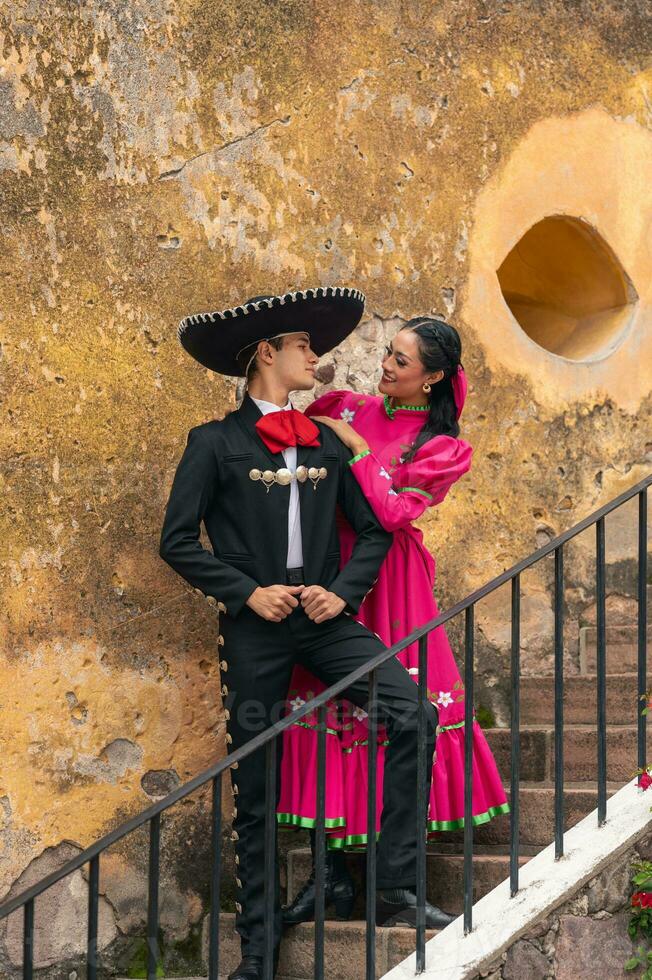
<point x="340" y="309"/>
<point x="323" y="292"/>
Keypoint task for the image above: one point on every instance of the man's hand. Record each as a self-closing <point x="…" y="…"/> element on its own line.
<point x="320" y="604"/>
<point x="275" y="602"/>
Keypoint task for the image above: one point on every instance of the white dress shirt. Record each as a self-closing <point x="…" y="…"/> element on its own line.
<point x="295" y="544"/>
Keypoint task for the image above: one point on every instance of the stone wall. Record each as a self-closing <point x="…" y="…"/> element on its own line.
<point x="160" y="157"/>
<point x="586" y="937"/>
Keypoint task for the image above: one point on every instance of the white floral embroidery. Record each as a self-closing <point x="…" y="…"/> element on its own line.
<point x="413" y="670"/>
<point x="392" y="493"/>
<point x="297" y="703"/>
<point x="359" y="714"/>
<point x="444" y="699"/>
<point x="347" y="415"/>
<point x="383" y="472"/>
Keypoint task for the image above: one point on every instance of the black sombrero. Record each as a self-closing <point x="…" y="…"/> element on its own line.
<point x="328" y="314"/>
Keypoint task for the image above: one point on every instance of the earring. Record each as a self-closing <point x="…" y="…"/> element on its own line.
<point x="427" y="388"/>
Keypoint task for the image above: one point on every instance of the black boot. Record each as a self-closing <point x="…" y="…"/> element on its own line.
<point x="398" y="907"/>
<point x="339" y="888"/>
<point x="251" y="967"/>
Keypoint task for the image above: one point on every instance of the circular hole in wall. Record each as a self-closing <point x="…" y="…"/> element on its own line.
<point x="567" y="289"/>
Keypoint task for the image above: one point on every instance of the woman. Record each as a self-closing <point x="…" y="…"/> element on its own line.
<point x="406" y="454"/>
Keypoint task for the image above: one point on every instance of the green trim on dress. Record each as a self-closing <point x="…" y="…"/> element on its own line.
<point x="358" y="743"/>
<point x="449" y="728"/>
<point x="364" y="741"/>
<point x="293" y="820"/>
<point x="312" y="728"/>
<point x="359" y="841"/>
<point x="433" y="826"/>
<point x="477" y="820"/>
<point x="367" y="452"/>
<point x="352" y="842"/>
<point x="391" y="411"/>
<point x="423" y="493"/>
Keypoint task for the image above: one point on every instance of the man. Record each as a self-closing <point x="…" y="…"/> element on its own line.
<point x="266" y="482"/>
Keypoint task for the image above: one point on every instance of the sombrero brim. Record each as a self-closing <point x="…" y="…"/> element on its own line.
<point x="328" y="314"/>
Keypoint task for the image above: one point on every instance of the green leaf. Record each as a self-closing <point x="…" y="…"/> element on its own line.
<point x="632" y="964"/>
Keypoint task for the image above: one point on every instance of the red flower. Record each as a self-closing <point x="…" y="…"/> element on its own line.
<point x="645" y="780"/>
<point x="642" y="900"/>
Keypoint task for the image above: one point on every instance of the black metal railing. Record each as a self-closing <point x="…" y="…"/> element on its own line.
<point x="27" y="900"/>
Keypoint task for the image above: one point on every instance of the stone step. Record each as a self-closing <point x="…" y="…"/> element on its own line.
<point x="444" y="876"/>
<point x="580" y="699"/>
<point x="580" y="752"/>
<point x="537" y="816"/>
<point x="344" y="949"/>
<point x="622" y="648"/>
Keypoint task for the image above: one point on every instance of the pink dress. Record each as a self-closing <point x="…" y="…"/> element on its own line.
<point x="401" y="600"/>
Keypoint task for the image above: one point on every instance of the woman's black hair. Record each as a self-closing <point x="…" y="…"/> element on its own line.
<point x="440" y="349"/>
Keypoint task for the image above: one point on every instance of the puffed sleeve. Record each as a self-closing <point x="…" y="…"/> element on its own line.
<point x="399" y="498"/>
<point x="331" y="403"/>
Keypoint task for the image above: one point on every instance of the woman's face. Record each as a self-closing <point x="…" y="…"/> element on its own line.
<point x="404" y="375"/>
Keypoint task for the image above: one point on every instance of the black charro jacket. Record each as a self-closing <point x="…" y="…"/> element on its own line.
<point x="248" y="526"/>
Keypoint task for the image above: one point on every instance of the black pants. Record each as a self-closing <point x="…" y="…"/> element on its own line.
<point x="260" y="657"/>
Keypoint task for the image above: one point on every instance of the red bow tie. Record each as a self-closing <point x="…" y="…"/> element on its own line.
<point x="278" y="430"/>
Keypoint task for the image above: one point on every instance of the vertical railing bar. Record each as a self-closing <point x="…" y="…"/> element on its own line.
<point x="271" y="751"/>
<point x="372" y="756"/>
<point x="515" y="736"/>
<point x="559" y="702"/>
<point x="422" y="805"/>
<point x="216" y="871"/>
<point x="642" y="628"/>
<point x="153" y="895"/>
<point x="270" y="858"/>
<point x="93" y="912"/>
<point x="28" y="940"/>
<point x="468" y="769"/>
<point x="601" y="665"/>
<point x="320" y="845"/>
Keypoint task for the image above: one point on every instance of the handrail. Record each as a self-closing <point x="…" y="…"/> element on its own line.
<point x="214" y="772"/>
<point x="333" y="691"/>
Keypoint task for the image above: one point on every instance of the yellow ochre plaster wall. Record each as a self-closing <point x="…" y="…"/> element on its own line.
<point x="162" y="157"/>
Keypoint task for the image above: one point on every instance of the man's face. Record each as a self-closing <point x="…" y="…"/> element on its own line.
<point x="295" y="363"/>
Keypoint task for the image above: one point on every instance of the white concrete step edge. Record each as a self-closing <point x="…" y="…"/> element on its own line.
<point x="498" y="920"/>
